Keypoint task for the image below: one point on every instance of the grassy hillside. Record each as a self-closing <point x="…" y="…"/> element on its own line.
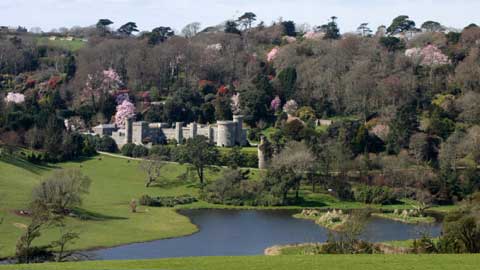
<point x="114" y="183"/>
<point x="331" y="262"/>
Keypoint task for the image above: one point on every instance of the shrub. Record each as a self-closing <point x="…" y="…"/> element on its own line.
<point x="168" y="201"/>
<point x="375" y="195"/>
<point x="139" y="151"/>
<point x="127" y="149"/>
<point x="107" y="144"/>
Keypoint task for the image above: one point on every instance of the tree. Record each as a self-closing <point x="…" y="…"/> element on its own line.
<point x="61" y="191"/>
<point x="330" y="29"/>
<point x="127" y="29"/>
<point x="287" y="79"/>
<point x="432" y="26"/>
<point x="287" y="169"/>
<point x="247" y="19"/>
<point x="152" y="166"/>
<point x="190" y="30"/>
<point x="392" y="43"/>
<point x="159" y="35"/>
<point x="400" y="24"/>
<point x="364" y="30"/>
<point x="232" y="27"/>
<point x="102" y="26"/>
<point x="289" y="28"/>
<point x="200" y="154"/>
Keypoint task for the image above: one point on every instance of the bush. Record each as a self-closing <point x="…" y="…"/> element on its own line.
<point x="127" y="149"/>
<point x="163" y="151"/>
<point x="168" y="201"/>
<point x="375" y="195"/>
<point x="107" y="144"/>
<point x="139" y="151"/>
<point x="232" y="188"/>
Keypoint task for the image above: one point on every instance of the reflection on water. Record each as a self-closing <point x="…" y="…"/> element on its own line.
<point x="249" y="232"/>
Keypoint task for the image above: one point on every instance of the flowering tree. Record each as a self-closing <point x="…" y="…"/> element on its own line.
<point x="235" y="103"/>
<point x="314" y="35"/>
<point x="124" y="111"/>
<point x="428" y="56"/>
<point x="100" y="84"/>
<point x="290" y="107"/>
<point x="273" y="54"/>
<point x="276" y="103"/>
<point x="122" y="97"/>
<point x="16" y="98"/>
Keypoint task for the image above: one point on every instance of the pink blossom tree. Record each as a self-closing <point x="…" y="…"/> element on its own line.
<point x="16" y="98"/>
<point x="276" y="103"/>
<point x="273" y="54"/>
<point x="124" y="111"/>
<point x="430" y="55"/>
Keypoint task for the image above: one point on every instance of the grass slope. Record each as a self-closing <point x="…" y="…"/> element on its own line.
<point x="320" y="262"/>
<point x="114" y="183"/>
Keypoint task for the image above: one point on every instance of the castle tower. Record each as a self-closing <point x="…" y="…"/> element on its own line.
<point x="129" y="130"/>
<point x="139" y="132"/>
<point x="238" y="120"/>
<point x="226" y="135"/>
<point x="179" y="132"/>
<point x="262" y="159"/>
<point x="193" y="130"/>
<point x="210" y="135"/>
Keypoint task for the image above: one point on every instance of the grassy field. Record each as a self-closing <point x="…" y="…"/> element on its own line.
<point x="116" y="181"/>
<point x="320" y="262"/>
<point x="73" y="45"/>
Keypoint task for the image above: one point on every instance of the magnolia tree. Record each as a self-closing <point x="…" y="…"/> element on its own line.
<point x="273" y="54"/>
<point x="100" y="84"/>
<point x="290" y="107"/>
<point x="124" y="111"/>
<point x="314" y="35"/>
<point x="428" y="56"/>
<point x="16" y="98"/>
<point x="235" y="103"/>
<point x="276" y="103"/>
<point x="121" y="98"/>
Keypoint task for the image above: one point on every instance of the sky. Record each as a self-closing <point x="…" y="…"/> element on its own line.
<point x="148" y="14"/>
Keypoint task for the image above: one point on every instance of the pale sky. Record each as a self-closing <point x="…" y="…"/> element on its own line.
<point x="49" y="14"/>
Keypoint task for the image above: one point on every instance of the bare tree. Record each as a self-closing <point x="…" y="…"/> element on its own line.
<point x="152" y="166"/>
<point x="190" y="30"/>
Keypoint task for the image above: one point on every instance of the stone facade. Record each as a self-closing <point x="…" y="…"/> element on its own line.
<point x="223" y="134"/>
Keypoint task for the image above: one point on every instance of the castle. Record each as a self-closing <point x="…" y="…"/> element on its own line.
<point x="223" y="134"/>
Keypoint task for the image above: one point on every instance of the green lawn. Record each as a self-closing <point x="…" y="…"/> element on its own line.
<point x="73" y="45"/>
<point x="320" y="262"/>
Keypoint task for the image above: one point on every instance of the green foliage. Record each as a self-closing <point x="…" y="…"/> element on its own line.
<point x="287" y="79"/>
<point x="400" y="24"/>
<point x="107" y="144"/>
<point x="166" y="201"/>
<point x="127" y="149"/>
<point x="199" y="153"/>
<point x="392" y="43"/>
<point x="233" y="188"/>
<point x="289" y="28"/>
<point x="375" y="195"/>
<point x="139" y="151"/>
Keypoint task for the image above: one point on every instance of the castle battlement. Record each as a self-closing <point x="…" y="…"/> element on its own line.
<point x="224" y="133"/>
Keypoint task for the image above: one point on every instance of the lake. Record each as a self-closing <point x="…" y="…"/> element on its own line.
<point x="249" y="232"/>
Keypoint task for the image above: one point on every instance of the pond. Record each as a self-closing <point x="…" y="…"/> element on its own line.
<point x="249" y="232"/>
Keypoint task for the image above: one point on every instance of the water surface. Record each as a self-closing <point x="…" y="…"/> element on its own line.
<point x="249" y="232"/>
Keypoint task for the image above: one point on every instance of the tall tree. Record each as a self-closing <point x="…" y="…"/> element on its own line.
<point x="190" y="30"/>
<point x="400" y="24"/>
<point x="247" y="19"/>
<point x="127" y="29"/>
<point x="102" y="26"/>
<point x="232" y="27"/>
<point x="200" y="154"/>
